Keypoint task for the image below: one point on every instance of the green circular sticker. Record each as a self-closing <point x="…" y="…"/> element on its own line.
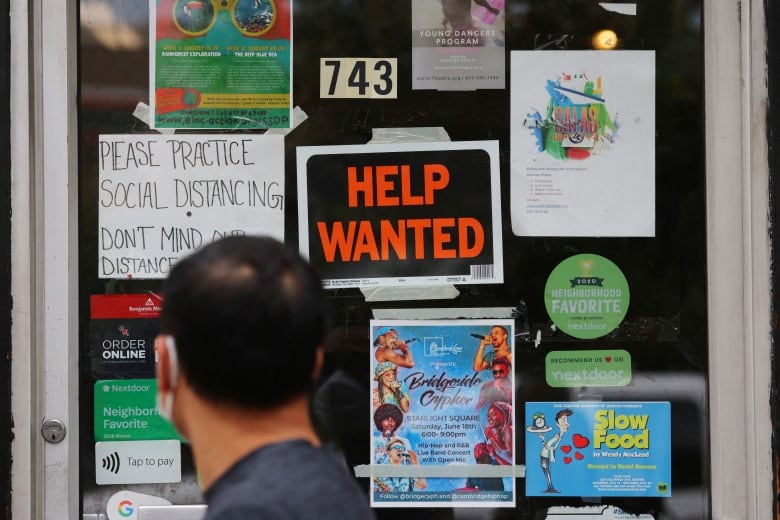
<point x="586" y="296"/>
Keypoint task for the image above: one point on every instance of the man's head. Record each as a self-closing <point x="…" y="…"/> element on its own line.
<point x="501" y="368"/>
<point x="247" y="317"/>
<point x="388" y="417"/>
<point x="396" y="451"/>
<point x="386" y="338"/>
<point x="481" y="453"/>
<point x="562" y="418"/>
<point x="498" y="336"/>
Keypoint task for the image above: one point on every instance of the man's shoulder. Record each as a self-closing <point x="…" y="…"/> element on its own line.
<point x="294" y="480"/>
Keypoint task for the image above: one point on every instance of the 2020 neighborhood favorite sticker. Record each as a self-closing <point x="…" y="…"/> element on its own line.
<point x="401" y="214"/>
<point x="598" y="449"/>
<point x="442" y="395"/>
<point x="586" y="296"/>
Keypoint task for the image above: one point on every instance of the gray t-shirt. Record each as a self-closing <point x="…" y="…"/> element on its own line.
<point x="289" y="480"/>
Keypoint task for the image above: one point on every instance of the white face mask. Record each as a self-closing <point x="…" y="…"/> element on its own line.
<point x="165" y="400"/>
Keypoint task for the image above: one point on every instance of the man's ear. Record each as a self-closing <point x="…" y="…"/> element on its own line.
<point x="319" y="361"/>
<point x="167" y="366"/>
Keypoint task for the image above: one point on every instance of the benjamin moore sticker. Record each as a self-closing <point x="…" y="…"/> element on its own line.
<point x="586" y="296"/>
<point x="588" y="368"/>
<point x="125" y="410"/>
<point x="141" y="462"/>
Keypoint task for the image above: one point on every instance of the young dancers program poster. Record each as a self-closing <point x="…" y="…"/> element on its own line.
<point x="458" y="44"/>
<point x="442" y="398"/>
<point x="582" y="143"/>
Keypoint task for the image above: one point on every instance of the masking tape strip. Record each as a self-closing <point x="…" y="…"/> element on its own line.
<point x="444" y="313"/>
<point x="425" y="134"/>
<point x="446" y="471"/>
<point x="143" y="113"/>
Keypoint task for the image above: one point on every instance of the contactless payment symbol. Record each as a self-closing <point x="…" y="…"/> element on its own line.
<point x="586" y="296"/>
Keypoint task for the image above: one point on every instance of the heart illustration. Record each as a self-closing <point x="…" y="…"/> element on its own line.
<point x="580" y="441"/>
<point x="578" y="455"/>
<point x="566" y="448"/>
<point x="567" y="460"/>
<point x="608" y="359"/>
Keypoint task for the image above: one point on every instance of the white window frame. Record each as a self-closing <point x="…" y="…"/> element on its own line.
<point x="44" y="234"/>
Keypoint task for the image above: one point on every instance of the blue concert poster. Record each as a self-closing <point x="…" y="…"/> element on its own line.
<point x="442" y="413"/>
<point x="598" y="449"/>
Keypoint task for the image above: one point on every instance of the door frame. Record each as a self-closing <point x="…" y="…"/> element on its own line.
<point x="44" y="283"/>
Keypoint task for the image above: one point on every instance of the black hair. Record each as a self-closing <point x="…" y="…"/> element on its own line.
<point x="388" y="410"/>
<point x="247" y="315"/>
<point x="502" y="361"/>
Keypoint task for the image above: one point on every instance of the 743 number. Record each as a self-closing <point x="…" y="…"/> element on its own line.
<point x="358" y="78"/>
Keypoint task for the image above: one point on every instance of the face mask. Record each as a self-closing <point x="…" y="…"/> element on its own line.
<point x="165" y="400"/>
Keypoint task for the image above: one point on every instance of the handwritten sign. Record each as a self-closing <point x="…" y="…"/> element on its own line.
<point x="162" y="196"/>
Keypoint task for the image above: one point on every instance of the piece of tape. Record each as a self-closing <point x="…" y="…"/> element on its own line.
<point x="143" y="113"/>
<point x="409" y="135"/>
<point x="445" y="471"/>
<point x="425" y="134"/>
<point x="298" y="117"/>
<point x="404" y="292"/>
<point x="445" y="313"/>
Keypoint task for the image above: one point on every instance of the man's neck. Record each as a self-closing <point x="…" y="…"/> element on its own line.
<point x="222" y="435"/>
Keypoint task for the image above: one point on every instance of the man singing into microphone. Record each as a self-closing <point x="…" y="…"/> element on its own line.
<point x="389" y="347"/>
<point x="498" y="337"/>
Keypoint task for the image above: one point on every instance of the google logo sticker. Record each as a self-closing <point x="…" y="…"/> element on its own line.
<point x="125" y="508"/>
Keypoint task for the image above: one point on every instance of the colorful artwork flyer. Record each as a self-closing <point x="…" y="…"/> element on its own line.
<point x="442" y="403"/>
<point x="582" y="143"/>
<point x="458" y="45"/>
<point x="401" y="214"/>
<point x="598" y="449"/>
<point x="220" y="64"/>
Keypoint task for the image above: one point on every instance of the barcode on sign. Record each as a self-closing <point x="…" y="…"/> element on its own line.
<point x="480" y="272"/>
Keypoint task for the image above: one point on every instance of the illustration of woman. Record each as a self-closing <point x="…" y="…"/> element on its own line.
<point x="498" y="432"/>
<point x="389" y="390"/>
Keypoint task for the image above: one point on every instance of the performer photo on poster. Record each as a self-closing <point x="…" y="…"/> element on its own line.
<point x="401" y="214"/>
<point x="220" y="64"/>
<point x="582" y="143"/>
<point x="589" y="449"/>
<point x="443" y="395"/>
<point x="458" y="44"/>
